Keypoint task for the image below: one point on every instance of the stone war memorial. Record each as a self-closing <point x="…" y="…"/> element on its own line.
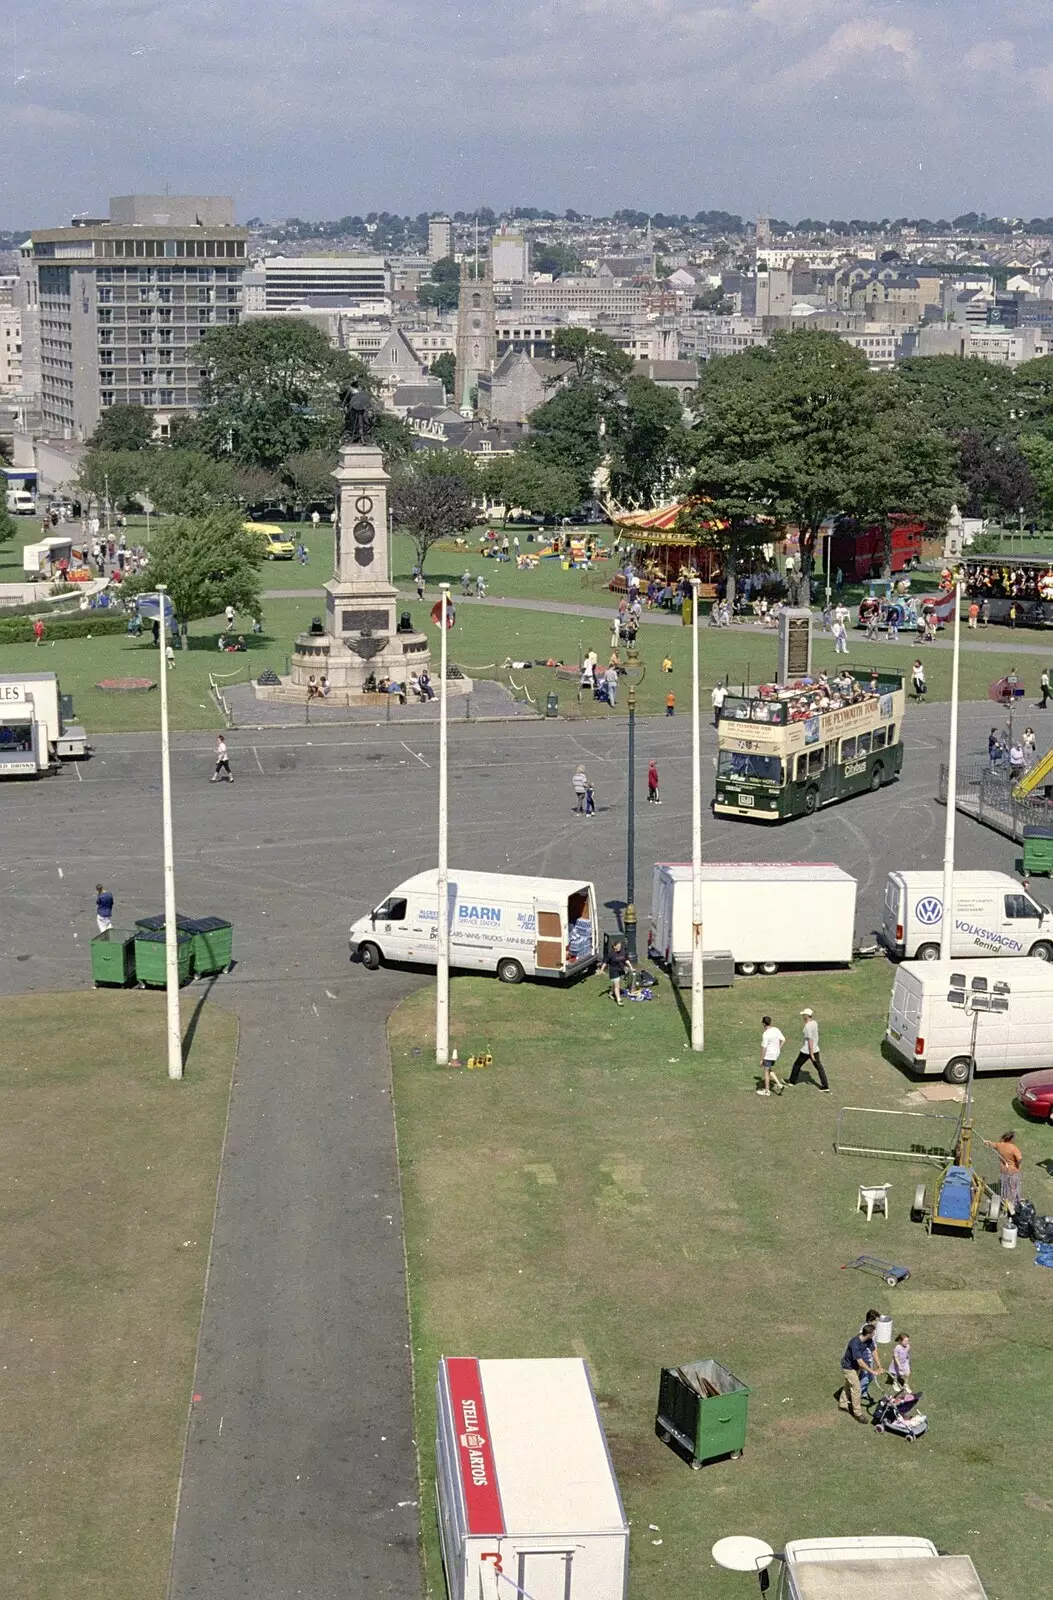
<point x="360" y="645"/>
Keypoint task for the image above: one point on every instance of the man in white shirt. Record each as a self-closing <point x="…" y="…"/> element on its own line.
<point x="809" y="1052"/>
<point x="772" y="1041"/>
<point x="716" y="700"/>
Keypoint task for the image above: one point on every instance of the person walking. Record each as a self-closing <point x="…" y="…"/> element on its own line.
<point x="917" y="681"/>
<point x="809" y="1052"/>
<point x="1012" y="615"/>
<point x="617" y="965"/>
<point x="670" y="704"/>
<point x="1010" y="1159"/>
<point x="420" y="584"/>
<point x="580" y="784"/>
<point x="222" y="761"/>
<point x="1016" y="760"/>
<point x="230" y="614"/>
<point x="859" y="1361"/>
<point x="38" y="631"/>
<point x="772" y="1041"/>
<point x="1043" y="684"/>
<point x="611" y="680"/>
<point x="994" y="748"/>
<point x="652" y="785"/>
<point x="716" y="700"/>
<point x="840" y="639"/>
<point x="590" y="798"/>
<point x="985" y="612"/>
<point x="1029" y="743"/>
<point x="899" y="1365"/>
<point x="103" y="908"/>
<point x="170" y="655"/>
<point x="974" y="614"/>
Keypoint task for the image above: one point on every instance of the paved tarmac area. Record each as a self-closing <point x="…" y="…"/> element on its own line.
<point x="300" y="1472"/>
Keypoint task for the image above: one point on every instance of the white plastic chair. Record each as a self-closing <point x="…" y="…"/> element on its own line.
<point x="873" y="1195"/>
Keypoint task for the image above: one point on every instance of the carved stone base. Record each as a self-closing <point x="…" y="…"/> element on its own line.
<point x="348" y="662"/>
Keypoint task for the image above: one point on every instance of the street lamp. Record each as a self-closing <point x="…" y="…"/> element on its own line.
<point x="697" y="993"/>
<point x="977" y="998"/>
<point x="174" y="1027"/>
<point x="947" y="924"/>
<point x="629" y="915"/>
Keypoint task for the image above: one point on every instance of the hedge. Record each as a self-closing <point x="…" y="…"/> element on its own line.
<point x="19" y="630"/>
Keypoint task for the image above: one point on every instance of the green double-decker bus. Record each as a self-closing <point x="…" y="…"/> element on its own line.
<point x="785" y="750"/>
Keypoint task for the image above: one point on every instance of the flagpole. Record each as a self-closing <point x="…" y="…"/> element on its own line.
<point x="947" y="924"/>
<point x="174" y="1028"/>
<point x="442" y="989"/>
<point x="698" y="1032"/>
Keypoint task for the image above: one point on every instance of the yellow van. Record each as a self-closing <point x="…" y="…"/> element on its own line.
<point x="278" y="545"/>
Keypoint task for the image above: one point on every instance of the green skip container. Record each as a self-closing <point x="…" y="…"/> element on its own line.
<point x="113" y="958"/>
<point x="213" y="945"/>
<point x="150" y="966"/>
<point x="1038" y="850"/>
<point x="702" y="1412"/>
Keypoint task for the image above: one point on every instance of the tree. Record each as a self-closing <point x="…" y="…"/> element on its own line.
<point x="430" y="506"/>
<point x="1037" y="451"/>
<point x="310" y="477"/>
<point x="522" y="481"/>
<point x="568" y="431"/>
<point x="123" y="428"/>
<point x="901" y="465"/>
<point x="8" y="526"/>
<point x="121" y="476"/>
<point x="557" y="259"/>
<point x="997" y="477"/>
<point x="595" y="356"/>
<point x="650" y="443"/>
<point x="712" y="300"/>
<point x="206" y="563"/>
<point x="956" y="395"/>
<point x="271" y="390"/>
<point x="450" y="464"/>
<point x="189" y="484"/>
<point x="443" y="291"/>
<point x="445" y="367"/>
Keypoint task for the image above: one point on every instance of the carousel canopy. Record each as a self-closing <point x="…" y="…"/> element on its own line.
<point x="660" y="527"/>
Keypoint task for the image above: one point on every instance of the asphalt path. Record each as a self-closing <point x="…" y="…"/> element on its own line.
<point x="300" y="1469"/>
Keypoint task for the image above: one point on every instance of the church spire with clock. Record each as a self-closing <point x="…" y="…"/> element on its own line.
<point x="475" y="332"/>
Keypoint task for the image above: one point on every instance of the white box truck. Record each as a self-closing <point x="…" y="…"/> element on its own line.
<point x="524" y="1483"/>
<point x="894" y="1568"/>
<point x="993" y="916"/>
<point x="930" y="1035"/>
<point x="515" y="926"/>
<point x="767" y="913"/>
<point x="21" y="503"/>
<point x="33" y="736"/>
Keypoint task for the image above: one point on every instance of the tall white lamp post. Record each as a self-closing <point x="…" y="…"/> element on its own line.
<point x="697" y="998"/>
<point x="947" y="920"/>
<point x="174" y="1029"/>
<point x="442" y="990"/>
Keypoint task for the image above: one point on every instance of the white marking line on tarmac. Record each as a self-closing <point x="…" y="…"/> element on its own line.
<point x="80" y="775"/>
<point x="259" y="763"/>
<point x="60" y="872"/>
<point x="415" y="754"/>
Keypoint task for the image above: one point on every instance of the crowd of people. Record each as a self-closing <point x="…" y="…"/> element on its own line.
<point x="998" y="582"/>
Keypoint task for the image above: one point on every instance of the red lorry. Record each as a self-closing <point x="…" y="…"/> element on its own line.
<point x="860" y="552"/>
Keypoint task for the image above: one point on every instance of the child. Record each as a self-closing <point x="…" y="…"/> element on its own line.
<point x="670" y="704"/>
<point x="652" y="785"/>
<point x="899" y="1366"/>
<point x="667" y="664"/>
<point x="590" y="799"/>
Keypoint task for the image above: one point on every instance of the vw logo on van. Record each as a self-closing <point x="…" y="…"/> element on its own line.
<point x="929" y="910"/>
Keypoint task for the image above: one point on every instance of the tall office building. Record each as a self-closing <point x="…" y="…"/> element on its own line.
<point x="440" y="238"/>
<point x="324" y="281"/>
<point x="114" y="309"/>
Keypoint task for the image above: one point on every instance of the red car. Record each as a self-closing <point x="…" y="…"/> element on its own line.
<point x="1035" y="1094"/>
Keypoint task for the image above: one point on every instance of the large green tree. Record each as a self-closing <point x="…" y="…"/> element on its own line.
<point x="956" y="395"/>
<point x="595" y="356"/>
<point x="568" y="431"/>
<point x="188" y="483"/>
<point x="121" y="476"/>
<point x="649" y="441"/>
<point x="310" y="477"/>
<point x="523" y="481"/>
<point x="442" y="291"/>
<point x="8" y="526"/>
<point x="206" y="563"/>
<point x="123" y="428"/>
<point x="445" y="367"/>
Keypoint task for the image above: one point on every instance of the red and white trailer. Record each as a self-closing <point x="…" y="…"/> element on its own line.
<point x="527" y="1498"/>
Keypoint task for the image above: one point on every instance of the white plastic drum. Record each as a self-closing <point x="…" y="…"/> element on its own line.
<point x="1009" y="1237"/>
<point x="883" y="1331"/>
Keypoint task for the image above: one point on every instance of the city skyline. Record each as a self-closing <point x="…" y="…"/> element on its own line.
<point x="789" y="107"/>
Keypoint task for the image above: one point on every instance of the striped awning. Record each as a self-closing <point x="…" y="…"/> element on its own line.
<point x="659" y="527"/>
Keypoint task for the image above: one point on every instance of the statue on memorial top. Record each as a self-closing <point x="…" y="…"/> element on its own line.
<point x="359" y="413"/>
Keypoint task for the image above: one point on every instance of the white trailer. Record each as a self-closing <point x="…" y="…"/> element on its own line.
<point x="896" y="1568"/>
<point x="930" y="1035"/>
<point x="41" y="560"/>
<point x="515" y="926"/>
<point x="525" y="1485"/>
<point x="33" y="736"/>
<point x="768" y="914"/>
<point x="993" y="916"/>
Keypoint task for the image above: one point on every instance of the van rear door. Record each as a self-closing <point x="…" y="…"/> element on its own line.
<point x="893" y="925"/>
<point x="904" y="1019"/>
<point x="549" y="936"/>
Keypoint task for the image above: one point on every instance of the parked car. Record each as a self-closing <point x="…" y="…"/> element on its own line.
<point x="1035" y="1094"/>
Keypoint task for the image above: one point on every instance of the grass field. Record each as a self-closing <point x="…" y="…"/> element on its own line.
<point x="110" y="1177"/>
<point x="601" y="1192"/>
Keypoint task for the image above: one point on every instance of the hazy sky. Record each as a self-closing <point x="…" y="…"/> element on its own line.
<point x="796" y="107"/>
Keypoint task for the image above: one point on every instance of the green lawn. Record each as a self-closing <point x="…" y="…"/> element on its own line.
<point x="110" y="1180"/>
<point x="546" y="581"/>
<point x="602" y="1192"/>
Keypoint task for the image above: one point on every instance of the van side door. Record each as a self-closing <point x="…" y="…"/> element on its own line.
<point x="1021" y="922"/>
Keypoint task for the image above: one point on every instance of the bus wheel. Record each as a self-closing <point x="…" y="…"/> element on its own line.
<point x="746" y="969"/>
<point x="369" y="955"/>
<point x="811" y="800"/>
<point x="957" y="1071"/>
<point x="877" y="777"/>
<point x="509" y="971"/>
<point x="927" y="952"/>
<point x="1042" y="950"/>
<point x="769" y="968"/>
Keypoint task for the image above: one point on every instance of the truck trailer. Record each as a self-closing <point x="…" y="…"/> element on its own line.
<point x="34" y="737"/>
<point x="768" y="914"/>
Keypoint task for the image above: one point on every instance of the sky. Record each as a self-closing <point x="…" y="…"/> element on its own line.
<point x="323" y="108"/>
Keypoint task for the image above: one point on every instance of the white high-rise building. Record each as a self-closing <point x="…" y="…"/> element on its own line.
<point x="510" y="254"/>
<point x="440" y="238"/>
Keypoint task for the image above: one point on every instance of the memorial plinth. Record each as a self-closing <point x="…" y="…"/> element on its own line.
<point x="362" y="637"/>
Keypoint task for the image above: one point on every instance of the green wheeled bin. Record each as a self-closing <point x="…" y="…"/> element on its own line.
<point x="1038" y="850"/>
<point x="702" y="1412"/>
<point x="213" y="945"/>
<point x="156" y="923"/>
<point x="150" y="968"/>
<point x="113" y="958"/>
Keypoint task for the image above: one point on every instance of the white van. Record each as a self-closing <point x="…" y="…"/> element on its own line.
<point x="21" y="503"/>
<point x="930" y="1035"/>
<point x="517" y="927"/>
<point x="993" y="916"/>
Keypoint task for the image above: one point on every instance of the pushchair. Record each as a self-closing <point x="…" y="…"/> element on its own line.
<point x="892" y="1414"/>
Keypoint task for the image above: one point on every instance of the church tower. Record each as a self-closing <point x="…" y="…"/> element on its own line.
<point x="475" y="332"/>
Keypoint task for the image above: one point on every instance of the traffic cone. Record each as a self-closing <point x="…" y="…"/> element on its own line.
<point x="455" y="1059"/>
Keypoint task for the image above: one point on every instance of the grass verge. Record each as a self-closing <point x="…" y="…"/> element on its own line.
<point x="602" y="1192"/>
<point x="110" y="1177"/>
